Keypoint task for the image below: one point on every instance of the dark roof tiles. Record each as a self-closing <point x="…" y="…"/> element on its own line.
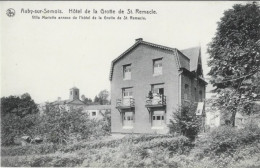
<point x="193" y="54"/>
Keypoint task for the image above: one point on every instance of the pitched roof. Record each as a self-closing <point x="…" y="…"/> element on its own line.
<point x="97" y="107"/>
<point x="193" y="54"/>
<point x="131" y="48"/>
<point x="188" y="59"/>
<point x="69" y="101"/>
<point x="76" y="102"/>
<point x="184" y="61"/>
<point x="60" y="102"/>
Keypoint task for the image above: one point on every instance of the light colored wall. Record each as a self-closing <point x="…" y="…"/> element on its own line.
<point x="98" y="115"/>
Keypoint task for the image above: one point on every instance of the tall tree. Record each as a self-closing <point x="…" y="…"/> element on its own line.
<point x="235" y="58"/>
<point x="19" y="116"/>
<point x="20" y="106"/>
<point x="102" y="98"/>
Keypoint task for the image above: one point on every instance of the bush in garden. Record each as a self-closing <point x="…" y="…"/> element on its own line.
<point x="185" y="122"/>
<point x="43" y="148"/>
<point x="65" y="127"/>
<point x="57" y="126"/>
<point x="106" y="122"/>
<point x="41" y="161"/>
<point x="226" y="140"/>
<point x="175" y="145"/>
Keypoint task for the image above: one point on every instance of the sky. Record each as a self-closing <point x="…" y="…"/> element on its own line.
<point x="46" y="58"/>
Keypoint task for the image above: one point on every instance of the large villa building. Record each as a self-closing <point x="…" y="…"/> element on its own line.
<point x="150" y="81"/>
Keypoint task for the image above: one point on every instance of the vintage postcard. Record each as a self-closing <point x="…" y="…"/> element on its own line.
<point x="130" y="83"/>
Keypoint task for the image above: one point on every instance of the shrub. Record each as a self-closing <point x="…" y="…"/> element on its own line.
<point x="176" y="145"/>
<point x="44" y="148"/>
<point x="226" y="140"/>
<point x="62" y="127"/>
<point x="13" y="126"/>
<point x="41" y="161"/>
<point x="185" y="122"/>
<point x="112" y="143"/>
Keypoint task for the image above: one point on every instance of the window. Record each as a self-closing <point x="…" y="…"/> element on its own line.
<point x="186" y="92"/>
<point x="200" y="96"/>
<point x="127" y="95"/>
<point x="158" y="88"/>
<point x="70" y="92"/>
<point x="94" y="113"/>
<point x="76" y="93"/>
<point x="127" y="92"/>
<point x="128" y="119"/>
<point x="127" y="72"/>
<point x="158" y="119"/>
<point x="157" y="67"/>
<point x="157" y="94"/>
<point x="195" y="94"/>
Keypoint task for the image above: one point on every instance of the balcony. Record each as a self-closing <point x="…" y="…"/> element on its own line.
<point x="156" y="100"/>
<point x="125" y="103"/>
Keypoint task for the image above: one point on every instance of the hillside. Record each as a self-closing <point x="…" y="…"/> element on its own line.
<point x="224" y="147"/>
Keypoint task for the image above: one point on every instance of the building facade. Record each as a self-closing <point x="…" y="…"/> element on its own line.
<point x="150" y="81"/>
<point x="97" y="112"/>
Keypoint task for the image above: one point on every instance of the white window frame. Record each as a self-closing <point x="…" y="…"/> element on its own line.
<point x="127" y="72"/>
<point x="127" y="94"/>
<point x="128" y="120"/>
<point x="157" y="67"/>
<point x="158" y="118"/>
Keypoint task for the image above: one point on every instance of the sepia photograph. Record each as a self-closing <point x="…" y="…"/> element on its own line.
<point x="130" y="84"/>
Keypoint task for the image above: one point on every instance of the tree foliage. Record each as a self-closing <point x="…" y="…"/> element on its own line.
<point x="19" y="116"/>
<point x="102" y="98"/>
<point x="235" y="58"/>
<point x="185" y="121"/>
<point x="87" y="101"/>
<point x="58" y="126"/>
<point x="18" y="105"/>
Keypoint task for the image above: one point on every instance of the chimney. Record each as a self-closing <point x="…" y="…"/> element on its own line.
<point x="139" y="39"/>
<point x="59" y="98"/>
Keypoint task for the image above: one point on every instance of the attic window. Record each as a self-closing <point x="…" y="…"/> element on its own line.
<point x="127" y="72"/>
<point x="157" y="66"/>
